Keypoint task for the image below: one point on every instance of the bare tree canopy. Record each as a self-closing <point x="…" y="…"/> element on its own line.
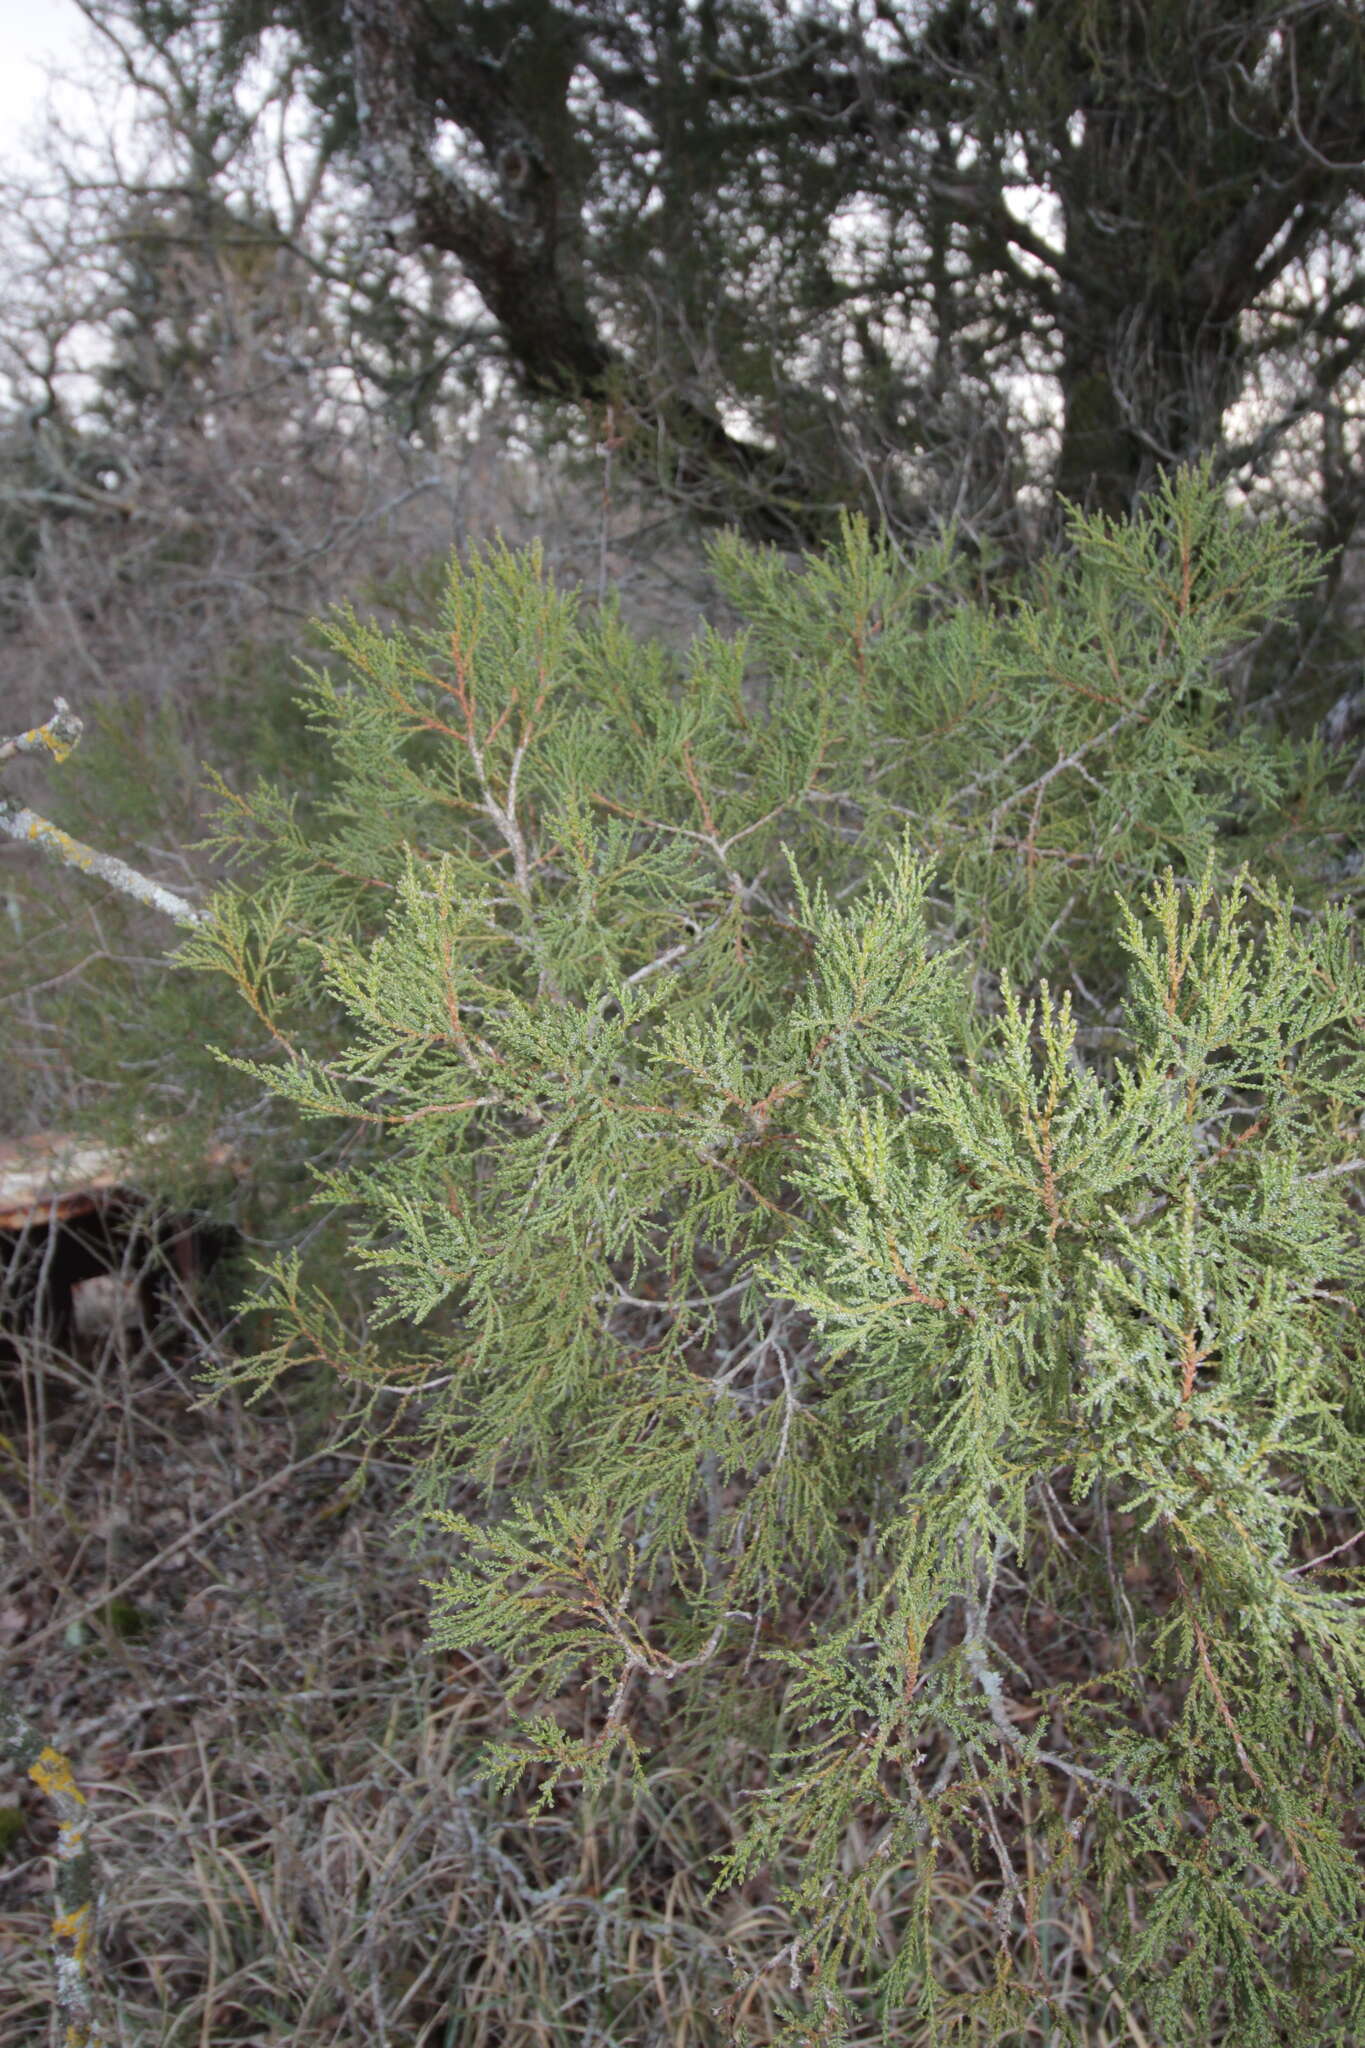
<point x="892" y="254"/>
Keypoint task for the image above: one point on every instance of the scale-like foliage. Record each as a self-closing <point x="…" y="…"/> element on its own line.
<point x="787" y="1245"/>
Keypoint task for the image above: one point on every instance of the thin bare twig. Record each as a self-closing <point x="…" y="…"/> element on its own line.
<point x="64" y="1621"/>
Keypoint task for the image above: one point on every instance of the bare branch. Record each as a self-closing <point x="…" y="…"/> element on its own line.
<point x="57" y="737"/>
<point x="74" y="1893"/>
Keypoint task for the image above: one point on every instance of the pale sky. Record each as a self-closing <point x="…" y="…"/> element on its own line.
<point x="31" y="31"/>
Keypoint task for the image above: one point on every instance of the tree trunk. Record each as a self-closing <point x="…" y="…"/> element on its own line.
<point x="1144" y="388"/>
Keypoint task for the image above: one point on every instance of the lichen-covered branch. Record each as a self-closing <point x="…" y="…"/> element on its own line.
<point x="60" y="734"/>
<point x="74" y="1899"/>
<point x="57" y="737"/>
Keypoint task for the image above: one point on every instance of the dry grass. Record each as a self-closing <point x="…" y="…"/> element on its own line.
<point x="291" y="1846"/>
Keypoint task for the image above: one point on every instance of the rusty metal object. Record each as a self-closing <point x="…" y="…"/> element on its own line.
<point x="49" y="1178"/>
<point x="86" y="1247"/>
<point x="52" y="1177"/>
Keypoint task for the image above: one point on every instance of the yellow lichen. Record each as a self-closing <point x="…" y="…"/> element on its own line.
<point x="52" y="1774"/>
<point x="74" y="1926"/>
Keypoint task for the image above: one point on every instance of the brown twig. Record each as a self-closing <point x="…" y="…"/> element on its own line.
<point x="234" y="1507"/>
